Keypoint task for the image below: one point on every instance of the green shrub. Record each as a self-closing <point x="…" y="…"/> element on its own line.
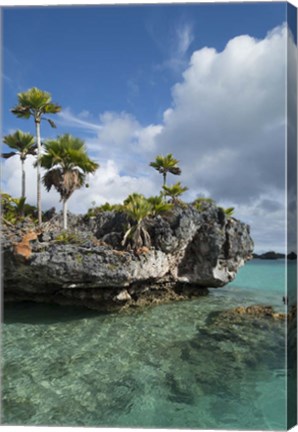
<point x="229" y="211"/>
<point x="66" y="237"/>
<point x="202" y="202"/>
<point x="93" y="211"/>
<point x="15" y="209"/>
<point x="158" y="205"/>
<point x="174" y="192"/>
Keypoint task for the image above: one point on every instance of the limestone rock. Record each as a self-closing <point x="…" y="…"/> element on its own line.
<point x="189" y="249"/>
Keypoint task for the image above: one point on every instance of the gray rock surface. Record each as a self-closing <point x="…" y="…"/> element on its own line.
<point x="190" y="252"/>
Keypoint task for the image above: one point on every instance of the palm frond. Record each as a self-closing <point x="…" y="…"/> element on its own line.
<point x="174" y="191"/>
<point x="51" y="108"/>
<point x="8" y="155"/>
<point x="158" y="205"/>
<point x="229" y="211"/>
<point x="21" y="111"/>
<point x="65" y="182"/>
<point x="51" y="123"/>
<point x="175" y="170"/>
<point x="69" y="153"/>
<point x="22" y="142"/>
<point x="51" y="179"/>
<point x="35" y="102"/>
<point x="34" y="98"/>
<point x="137" y="207"/>
<point x="165" y="164"/>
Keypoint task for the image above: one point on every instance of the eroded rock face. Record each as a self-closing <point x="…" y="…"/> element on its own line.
<point x="190" y="251"/>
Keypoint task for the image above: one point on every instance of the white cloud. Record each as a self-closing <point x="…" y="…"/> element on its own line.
<point x="67" y="118"/>
<point x="11" y="179"/>
<point x="184" y="38"/>
<point x="107" y="184"/>
<point x="178" y="49"/>
<point x="125" y="141"/>
<point x="227" y="122"/>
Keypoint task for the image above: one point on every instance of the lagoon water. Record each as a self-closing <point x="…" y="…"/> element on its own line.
<point x="168" y="366"/>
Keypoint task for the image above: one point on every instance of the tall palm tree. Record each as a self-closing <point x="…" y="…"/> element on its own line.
<point x="166" y="164"/>
<point x="174" y="192"/>
<point x="67" y="165"/>
<point x="24" y="145"/>
<point x="36" y="103"/>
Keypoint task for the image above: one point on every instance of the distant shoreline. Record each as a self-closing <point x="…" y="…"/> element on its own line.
<point x="271" y="255"/>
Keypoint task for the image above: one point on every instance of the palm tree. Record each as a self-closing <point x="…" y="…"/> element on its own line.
<point x="138" y="209"/>
<point x="166" y="164"/>
<point x="24" y="145"/>
<point x="36" y="103"/>
<point x="174" y="192"/>
<point x="67" y="165"/>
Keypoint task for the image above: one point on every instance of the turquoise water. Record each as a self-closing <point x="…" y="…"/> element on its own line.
<point x="169" y="366"/>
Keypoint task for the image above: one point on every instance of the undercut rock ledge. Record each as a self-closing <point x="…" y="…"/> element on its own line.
<point x="190" y="252"/>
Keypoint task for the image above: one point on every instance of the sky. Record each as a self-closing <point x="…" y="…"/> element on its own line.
<point x="205" y="82"/>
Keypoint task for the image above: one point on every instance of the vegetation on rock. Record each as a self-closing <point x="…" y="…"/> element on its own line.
<point x="138" y="209"/>
<point x="201" y="203"/>
<point x="66" y="237"/>
<point x="15" y="209"/>
<point x="174" y="192"/>
<point x="67" y="165"/>
<point x="93" y="211"/>
<point x="229" y="211"/>
<point x="158" y="206"/>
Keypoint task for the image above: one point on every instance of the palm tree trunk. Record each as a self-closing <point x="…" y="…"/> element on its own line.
<point x="164" y="178"/>
<point x="37" y="124"/>
<point x="65" y="215"/>
<point x="23" y="178"/>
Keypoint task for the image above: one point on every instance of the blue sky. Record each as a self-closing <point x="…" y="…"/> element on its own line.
<point x="111" y="58"/>
<point x="204" y="81"/>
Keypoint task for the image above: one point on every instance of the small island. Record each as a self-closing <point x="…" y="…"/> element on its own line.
<point x="272" y="255"/>
<point x="185" y="250"/>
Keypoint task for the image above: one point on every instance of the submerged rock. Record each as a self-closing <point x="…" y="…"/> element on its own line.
<point x="190" y="251"/>
<point x="254" y="312"/>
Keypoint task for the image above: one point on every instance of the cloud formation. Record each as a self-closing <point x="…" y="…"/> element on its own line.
<point x="226" y="125"/>
<point x="179" y="46"/>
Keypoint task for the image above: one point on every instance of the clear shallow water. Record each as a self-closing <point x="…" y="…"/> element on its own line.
<point x="167" y="366"/>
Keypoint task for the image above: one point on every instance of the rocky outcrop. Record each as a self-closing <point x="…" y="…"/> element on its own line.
<point x="190" y="252"/>
<point x="239" y="313"/>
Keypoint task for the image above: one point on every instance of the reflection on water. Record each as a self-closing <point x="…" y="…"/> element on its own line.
<point x="171" y="366"/>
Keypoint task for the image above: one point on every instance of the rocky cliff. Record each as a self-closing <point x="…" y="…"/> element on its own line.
<point x="190" y="251"/>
